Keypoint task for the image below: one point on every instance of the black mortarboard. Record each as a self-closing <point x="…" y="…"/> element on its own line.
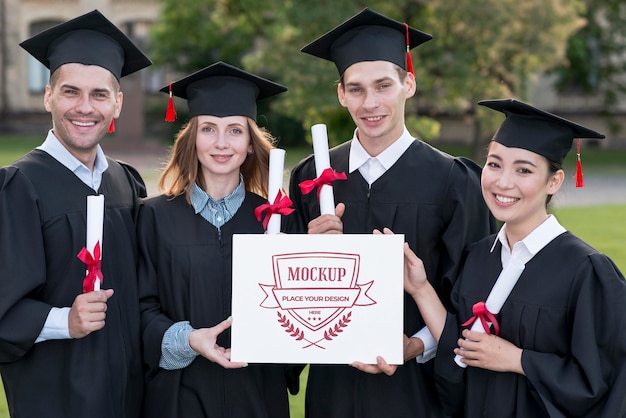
<point x="367" y="36"/>
<point x="536" y="130"/>
<point x="90" y="39"/>
<point x="222" y="90"/>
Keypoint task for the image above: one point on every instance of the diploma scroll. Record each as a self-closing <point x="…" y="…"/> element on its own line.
<point x="499" y="293"/>
<point x="275" y="186"/>
<point x="95" y="222"/>
<point x="322" y="162"/>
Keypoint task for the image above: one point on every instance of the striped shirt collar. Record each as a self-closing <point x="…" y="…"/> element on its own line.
<point x="220" y="211"/>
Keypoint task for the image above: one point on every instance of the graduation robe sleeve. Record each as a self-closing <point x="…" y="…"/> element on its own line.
<point x="592" y="381"/>
<point x="22" y="262"/>
<point x="154" y="321"/>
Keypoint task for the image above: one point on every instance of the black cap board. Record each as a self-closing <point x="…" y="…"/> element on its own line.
<point x="223" y="90"/>
<point x="90" y="39"/>
<point x="536" y="130"/>
<point x="367" y="36"/>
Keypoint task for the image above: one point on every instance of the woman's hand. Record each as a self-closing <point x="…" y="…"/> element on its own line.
<point x="204" y="342"/>
<point x="489" y="352"/>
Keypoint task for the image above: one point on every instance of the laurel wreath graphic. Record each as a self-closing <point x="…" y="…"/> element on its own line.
<point x="289" y="328"/>
<point x="334" y="331"/>
<point x="329" y="334"/>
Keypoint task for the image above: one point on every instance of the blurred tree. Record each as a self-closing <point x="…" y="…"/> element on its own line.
<point x="595" y="56"/>
<point x="192" y="34"/>
<point x="485" y="49"/>
<point x="312" y="82"/>
<point x="195" y="33"/>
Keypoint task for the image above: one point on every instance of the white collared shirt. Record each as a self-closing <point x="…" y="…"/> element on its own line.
<point x="371" y="168"/>
<point x="526" y="249"/>
<point x="56" y="150"/>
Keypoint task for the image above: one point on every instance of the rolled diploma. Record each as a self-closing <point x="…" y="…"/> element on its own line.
<point x="322" y="162"/>
<point x="95" y="222"/>
<point x="275" y="184"/>
<point x="499" y="293"/>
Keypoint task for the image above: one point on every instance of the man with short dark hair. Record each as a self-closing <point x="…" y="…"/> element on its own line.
<point x="67" y="350"/>
<point x="393" y="181"/>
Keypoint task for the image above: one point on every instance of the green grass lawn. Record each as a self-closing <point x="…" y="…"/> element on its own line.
<point x="13" y="147"/>
<point x="603" y="227"/>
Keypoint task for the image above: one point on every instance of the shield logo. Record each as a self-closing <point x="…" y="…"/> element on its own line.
<point x="316" y="289"/>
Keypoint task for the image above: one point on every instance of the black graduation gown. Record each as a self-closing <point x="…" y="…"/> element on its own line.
<point x="185" y="275"/>
<point x="567" y="312"/>
<point x="42" y="229"/>
<point x="435" y="200"/>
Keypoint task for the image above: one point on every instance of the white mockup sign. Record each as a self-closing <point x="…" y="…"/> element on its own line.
<point x="317" y="299"/>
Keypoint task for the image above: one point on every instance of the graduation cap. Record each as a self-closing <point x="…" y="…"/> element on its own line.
<point x="221" y="90"/>
<point x="539" y="131"/>
<point x="90" y="39"/>
<point x="368" y="36"/>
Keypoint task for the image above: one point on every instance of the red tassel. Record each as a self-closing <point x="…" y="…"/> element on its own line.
<point x="170" y="114"/>
<point x="112" y="126"/>
<point x="409" y="61"/>
<point x="579" y="168"/>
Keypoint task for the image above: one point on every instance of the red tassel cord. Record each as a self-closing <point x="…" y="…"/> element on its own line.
<point x="580" y="182"/>
<point x="409" y="61"/>
<point x="170" y="114"/>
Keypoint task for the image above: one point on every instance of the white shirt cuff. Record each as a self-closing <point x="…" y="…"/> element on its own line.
<point x="56" y="326"/>
<point x="430" y="345"/>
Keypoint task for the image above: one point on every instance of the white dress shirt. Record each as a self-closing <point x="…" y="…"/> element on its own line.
<point x="371" y="168"/>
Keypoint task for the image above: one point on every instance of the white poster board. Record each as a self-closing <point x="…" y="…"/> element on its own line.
<point x="317" y="299"/>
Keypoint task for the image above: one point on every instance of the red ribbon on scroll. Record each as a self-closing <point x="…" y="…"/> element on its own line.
<point x="481" y="312"/>
<point x="282" y="205"/>
<point x="94" y="266"/>
<point x="325" y="179"/>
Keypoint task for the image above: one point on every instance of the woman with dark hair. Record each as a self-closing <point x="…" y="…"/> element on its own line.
<point x="216" y="176"/>
<point x="555" y="343"/>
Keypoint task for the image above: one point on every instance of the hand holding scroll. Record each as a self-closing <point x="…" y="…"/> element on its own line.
<point x="88" y="313"/>
<point x="489" y="352"/>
